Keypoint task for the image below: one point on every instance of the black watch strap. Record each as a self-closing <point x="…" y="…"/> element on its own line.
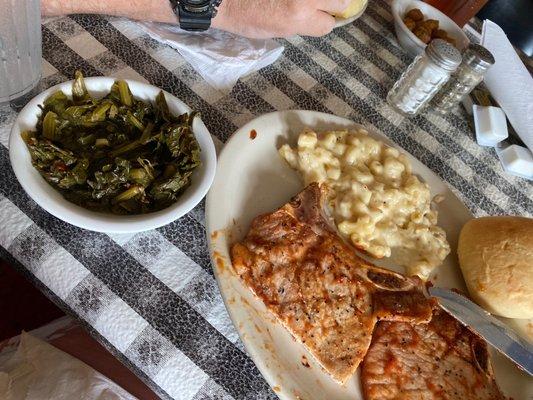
<point x="195" y="15"/>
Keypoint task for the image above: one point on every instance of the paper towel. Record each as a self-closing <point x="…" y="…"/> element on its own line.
<point x="39" y="371"/>
<point x="221" y="58"/>
<point x="509" y="82"/>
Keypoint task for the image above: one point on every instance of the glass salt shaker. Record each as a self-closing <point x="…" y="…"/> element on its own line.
<point x="424" y="77"/>
<point x="476" y="61"/>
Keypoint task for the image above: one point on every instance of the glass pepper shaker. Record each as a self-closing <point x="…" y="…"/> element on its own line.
<point x="476" y="61"/>
<point x="424" y="77"/>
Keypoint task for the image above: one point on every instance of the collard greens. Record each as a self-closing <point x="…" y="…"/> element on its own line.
<point x="116" y="154"/>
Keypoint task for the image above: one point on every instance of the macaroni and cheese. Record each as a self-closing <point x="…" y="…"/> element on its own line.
<point x="376" y="201"/>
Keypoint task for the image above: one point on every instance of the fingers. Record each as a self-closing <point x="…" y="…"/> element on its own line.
<point x="333" y="6"/>
<point x="320" y="24"/>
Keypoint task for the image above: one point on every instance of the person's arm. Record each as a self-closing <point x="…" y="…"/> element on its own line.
<point x="150" y="10"/>
<point x="251" y="18"/>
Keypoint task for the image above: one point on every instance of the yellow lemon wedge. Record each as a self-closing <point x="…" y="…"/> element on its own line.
<point x="353" y="9"/>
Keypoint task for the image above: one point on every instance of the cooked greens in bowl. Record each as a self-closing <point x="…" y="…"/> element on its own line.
<point x="115" y="154"/>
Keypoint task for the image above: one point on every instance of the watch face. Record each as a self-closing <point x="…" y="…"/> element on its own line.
<point x="197" y="6"/>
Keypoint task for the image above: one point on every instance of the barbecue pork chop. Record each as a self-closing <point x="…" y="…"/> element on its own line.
<point x="440" y="360"/>
<point x="313" y="282"/>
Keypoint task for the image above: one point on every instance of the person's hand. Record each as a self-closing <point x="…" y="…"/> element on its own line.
<point x="278" y="18"/>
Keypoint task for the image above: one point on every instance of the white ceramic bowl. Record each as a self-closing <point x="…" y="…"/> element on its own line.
<point x="408" y="39"/>
<point x="52" y="201"/>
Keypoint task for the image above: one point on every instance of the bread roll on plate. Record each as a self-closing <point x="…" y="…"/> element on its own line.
<point x="354" y="8"/>
<point x="496" y="257"/>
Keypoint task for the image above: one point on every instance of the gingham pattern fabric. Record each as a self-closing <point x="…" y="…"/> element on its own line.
<point x="151" y="298"/>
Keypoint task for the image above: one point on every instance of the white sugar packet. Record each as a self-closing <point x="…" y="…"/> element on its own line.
<point x="221" y="58"/>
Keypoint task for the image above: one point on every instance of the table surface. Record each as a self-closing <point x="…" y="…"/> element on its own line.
<point x="151" y="298"/>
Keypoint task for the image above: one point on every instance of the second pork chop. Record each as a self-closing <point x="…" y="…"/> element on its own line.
<point x="442" y="360"/>
<point x="313" y="282"/>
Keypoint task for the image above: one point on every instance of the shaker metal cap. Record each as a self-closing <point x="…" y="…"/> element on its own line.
<point x="444" y="54"/>
<point x="478" y="57"/>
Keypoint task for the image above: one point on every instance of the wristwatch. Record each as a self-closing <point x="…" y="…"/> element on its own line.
<point x="195" y="15"/>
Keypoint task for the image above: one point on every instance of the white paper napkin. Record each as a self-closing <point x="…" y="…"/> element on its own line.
<point x="509" y="82"/>
<point x="39" y="371"/>
<point x="221" y="58"/>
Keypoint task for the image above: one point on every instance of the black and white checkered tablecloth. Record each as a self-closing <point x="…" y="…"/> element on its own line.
<point x="151" y="298"/>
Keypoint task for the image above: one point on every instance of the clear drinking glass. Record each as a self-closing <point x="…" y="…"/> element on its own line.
<point x="20" y="47"/>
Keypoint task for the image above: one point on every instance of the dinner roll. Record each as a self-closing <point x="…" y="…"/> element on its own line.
<point x="496" y="257"/>
<point x="354" y="8"/>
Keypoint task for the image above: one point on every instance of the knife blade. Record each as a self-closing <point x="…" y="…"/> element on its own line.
<point x="495" y="332"/>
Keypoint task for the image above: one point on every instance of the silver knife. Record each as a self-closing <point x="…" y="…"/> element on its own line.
<point x="485" y="325"/>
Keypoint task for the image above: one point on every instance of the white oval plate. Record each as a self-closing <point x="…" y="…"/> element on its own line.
<point x="53" y="202"/>
<point x="345" y="21"/>
<point x="252" y="179"/>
